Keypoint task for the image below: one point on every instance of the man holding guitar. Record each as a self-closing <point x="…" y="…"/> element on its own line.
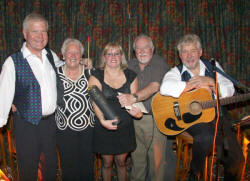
<point x="192" y="74"/>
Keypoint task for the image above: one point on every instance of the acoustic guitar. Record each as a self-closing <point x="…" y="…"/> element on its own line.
<point x="175" y="115"/>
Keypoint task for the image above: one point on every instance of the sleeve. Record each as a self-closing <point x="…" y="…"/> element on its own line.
<point x="172" y="85"/>
<point x="226" y="87"/>
<point x="7" y="89"/>
<point x="60" y="89"/>
<point x="88" y="73"/>
<point x="130" y="74"/>
<point x="98" y="73"/>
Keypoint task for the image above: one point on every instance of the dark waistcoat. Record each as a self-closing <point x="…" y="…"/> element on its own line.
<point x="27" y="97"/>
<point x="185" y="76"/>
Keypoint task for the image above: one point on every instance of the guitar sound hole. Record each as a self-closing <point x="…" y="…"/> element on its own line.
<point x="170" y="124"/>
<point x="195" y="108"/>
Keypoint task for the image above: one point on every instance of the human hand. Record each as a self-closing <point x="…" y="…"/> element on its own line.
<point x="135" y="112"/>
<point x="87" y="62"/>
<point x="109" y="124"/>
<point x="200" y="82"/>
<point x="13" y="108"/>
<point x="126" y="99"/>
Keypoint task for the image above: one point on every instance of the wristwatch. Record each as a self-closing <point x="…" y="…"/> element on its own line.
<point x="135" y="97"/>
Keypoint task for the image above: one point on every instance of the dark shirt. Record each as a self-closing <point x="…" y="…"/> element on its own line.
<point x="153" y="72"/>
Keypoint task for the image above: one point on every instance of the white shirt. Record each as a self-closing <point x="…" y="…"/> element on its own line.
<point x="44" y="74"/>
<point x="172" y="85"/>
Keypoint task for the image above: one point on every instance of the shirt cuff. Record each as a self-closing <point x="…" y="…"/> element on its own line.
<point x="2" y="122"/>
<point x="226" y="91"/>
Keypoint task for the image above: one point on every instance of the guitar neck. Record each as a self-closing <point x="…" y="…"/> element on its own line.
<point x="225" y="101"/>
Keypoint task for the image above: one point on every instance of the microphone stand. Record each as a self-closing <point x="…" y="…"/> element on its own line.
<point x="235" y="82"/>
<point x="222" y="144"/>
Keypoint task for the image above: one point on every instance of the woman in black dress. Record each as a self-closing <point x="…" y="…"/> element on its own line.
<point x="114" y="142"/>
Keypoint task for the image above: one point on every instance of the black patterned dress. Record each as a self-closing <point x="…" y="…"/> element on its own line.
<point x="77" y="112"/>
<point x="121" y="140"/>
<point x="75" y="121"/>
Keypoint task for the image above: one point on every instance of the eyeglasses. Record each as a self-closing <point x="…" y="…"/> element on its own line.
<point x="117" y="54"/>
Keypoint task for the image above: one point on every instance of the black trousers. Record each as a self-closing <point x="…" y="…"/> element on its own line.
<point x="31" y="142"/>
<point x="228" y="148"/>
<point x="77" y="158"/>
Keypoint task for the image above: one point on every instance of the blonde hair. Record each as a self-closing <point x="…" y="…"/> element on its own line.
<point x="109" y="46"/>
<point x="34" y="17"/>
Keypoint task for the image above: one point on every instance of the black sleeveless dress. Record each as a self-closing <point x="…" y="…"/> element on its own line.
<point x="121" y="140"/>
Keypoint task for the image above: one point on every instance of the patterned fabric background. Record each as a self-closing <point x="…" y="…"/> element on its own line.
<point x="223" y="26"/>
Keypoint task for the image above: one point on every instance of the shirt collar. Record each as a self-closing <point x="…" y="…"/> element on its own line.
<point x="202" y="69"/>
<point x="26" y="52"/>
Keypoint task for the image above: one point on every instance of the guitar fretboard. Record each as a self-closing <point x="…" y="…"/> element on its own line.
<point x="225" y="101"/>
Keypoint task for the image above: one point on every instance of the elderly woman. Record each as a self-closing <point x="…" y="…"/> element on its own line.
<point x="74" y="116"/>
<point x="112" y="141"/>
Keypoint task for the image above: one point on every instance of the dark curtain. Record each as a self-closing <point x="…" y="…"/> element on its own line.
<point x="223" y="26"/>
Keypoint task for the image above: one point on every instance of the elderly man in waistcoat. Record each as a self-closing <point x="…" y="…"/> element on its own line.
<point x="194" y="73"/>
<point x="28" y="81"/>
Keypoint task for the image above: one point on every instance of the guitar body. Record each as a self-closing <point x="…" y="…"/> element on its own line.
<point x="175" y="115"/>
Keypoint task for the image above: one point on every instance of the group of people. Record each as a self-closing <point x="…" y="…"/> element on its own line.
<point x="52" y="107"/>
